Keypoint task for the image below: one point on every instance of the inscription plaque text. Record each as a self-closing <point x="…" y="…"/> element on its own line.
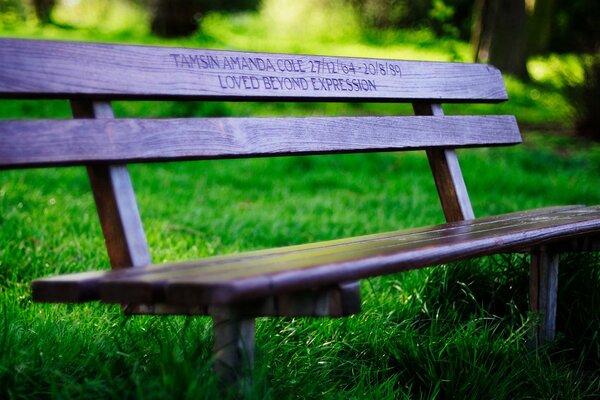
<point x="289" y="73"/>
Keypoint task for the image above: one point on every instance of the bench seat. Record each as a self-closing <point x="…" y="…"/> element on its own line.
<point x="241" y="277"/>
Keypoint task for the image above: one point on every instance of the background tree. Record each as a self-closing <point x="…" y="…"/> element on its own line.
<point x="43" y="10"/>
<point x="575" y="26"/>
<point x="172" y="18"/>
<point x="499" y="35"/>
<point x="584" y="98"/>
<point x="540" y="26"/>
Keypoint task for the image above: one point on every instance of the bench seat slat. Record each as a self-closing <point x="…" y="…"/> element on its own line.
<point x="83" y="286"/>
<point x="245" y="266"/>
<point x="286" y="273"/>
<point x="238" y="277"/>
<point x="53" y="69"/>
<point x="82" y="141"/>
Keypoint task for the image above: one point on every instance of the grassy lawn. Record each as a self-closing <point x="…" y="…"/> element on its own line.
<point x="456" y="331"/>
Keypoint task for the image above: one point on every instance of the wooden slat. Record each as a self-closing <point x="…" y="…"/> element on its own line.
<point x="72" y="142"/>
<point x="226" y="280"/>
<point x="447" y="174"/>
<point x="277" y="278"/>
<point x="50" y="69"/>
<point x="340" y="300"/>
<point x="115" y="201"/>
<point x="84" y="286"/>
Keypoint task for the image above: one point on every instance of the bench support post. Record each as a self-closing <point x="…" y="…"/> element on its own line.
<point x="233" y="346"/>
<point x="447" y="174"/>
<point x="116" y="205"/>
<point x="543" y="290"/>
<point x="115" y="201"/>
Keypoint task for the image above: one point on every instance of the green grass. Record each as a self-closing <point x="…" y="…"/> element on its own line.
<point x="456" y="331"/>
<point x="434" y="333"/>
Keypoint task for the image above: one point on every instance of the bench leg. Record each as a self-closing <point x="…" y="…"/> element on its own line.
<point x="233" y="346"/>
<point x="543" y="290"/>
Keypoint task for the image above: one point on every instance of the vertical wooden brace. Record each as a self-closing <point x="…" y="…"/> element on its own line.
<point x="447" y="174"/>
<point x="543" y="293"/>
<point x="115" y="201"/>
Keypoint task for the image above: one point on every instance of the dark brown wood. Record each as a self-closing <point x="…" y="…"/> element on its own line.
<point x="119" y="216"/>
<point x="233" y="346"/>
<point x="115" y="200"/>
<point x="339" y="300"/>
<point x="67" y="142"/>
<point x="85" y="286"/>
<point x="277" y="277"/>
<point x="450" y="184"/>
<point x="447" y="174"/>
<point x="50" y="69"/>
<point x="543" y="292"/>
<point x="575" y="245"/>
<point x="208" y="282"/>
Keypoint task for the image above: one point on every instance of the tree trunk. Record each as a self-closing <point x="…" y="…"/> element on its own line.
<point x="540" y="26"/>
<point x="174" y="18"/>
<point x="499" y="35"/>
<point x="482" y="27"/>
<point x="43" y="10"/>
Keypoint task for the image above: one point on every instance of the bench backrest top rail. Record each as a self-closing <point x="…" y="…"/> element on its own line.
<point x="55" y="69"/>
<point x="83" y="141"/>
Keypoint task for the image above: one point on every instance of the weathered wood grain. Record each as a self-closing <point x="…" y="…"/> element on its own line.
<point x="447" y="174"/>
<point x="328" y="269"/>
<point x="74" y="142"/>
<point x="51" y="69"/>
<point x="84" y="286"/>
<point x="241" y="278"/>
<point x="115" y="201"/>
<point x="340" y="300"/>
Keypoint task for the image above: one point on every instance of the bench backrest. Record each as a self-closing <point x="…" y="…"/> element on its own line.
<point x="46" y="69"/>
<point x="91" y="75"/>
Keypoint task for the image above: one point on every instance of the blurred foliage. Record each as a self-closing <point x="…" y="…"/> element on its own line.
<point x="310" y="19"/>
<point x="576" y="27"/>
<point x="573" y="23"/>
<point x="392" y="13"/>
<point x="445" y="17"/>
<point x="12" y="13"/>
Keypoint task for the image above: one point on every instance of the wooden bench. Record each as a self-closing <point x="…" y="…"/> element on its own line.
<point x="318" y="279"/>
